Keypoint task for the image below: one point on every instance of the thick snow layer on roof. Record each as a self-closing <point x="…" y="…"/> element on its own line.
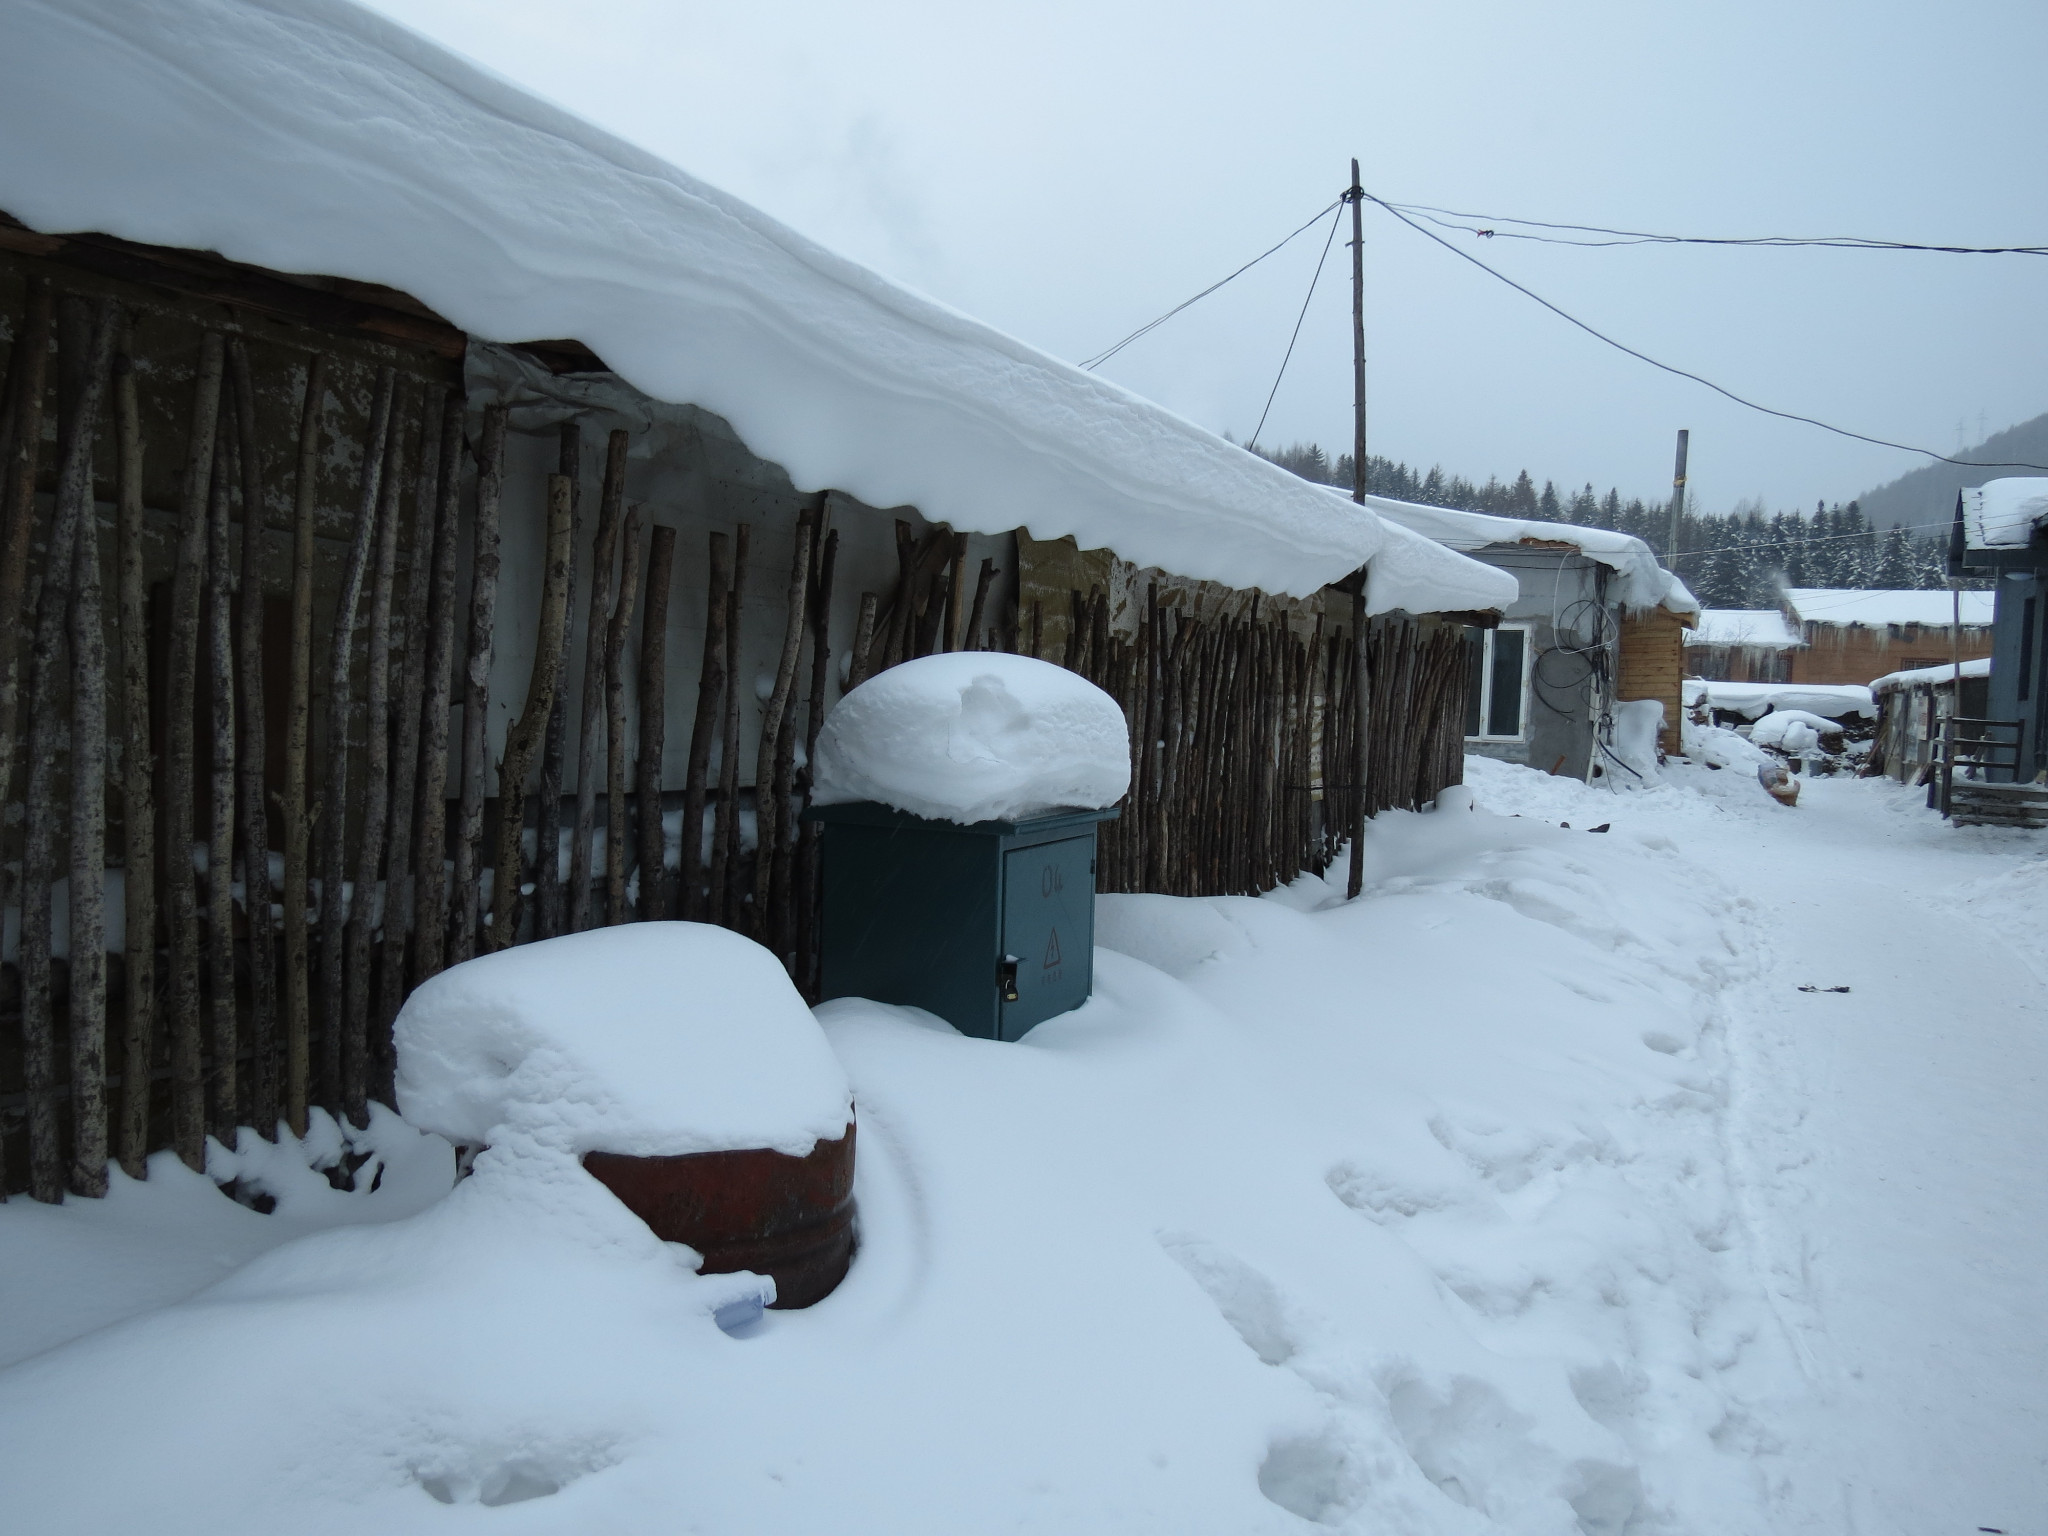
<point x="650" y="1039"/>
<point x="1765" y="627"/>
<point x="311" y="136"/>
<point x="1837" y="701"/>
<point x="1945" y="673"/>
<point x="975" y="736"/>
<point x="1884" y="605"/>
<point x="1644" y="583"/>
<point x="2003" y="514"/>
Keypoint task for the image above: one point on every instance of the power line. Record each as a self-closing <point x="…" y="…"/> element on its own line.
<point x="1644" y="357"/>
<point x="1102" y="357"/>
<point x="1327" y="243"/>
<point x="1489" y="227"/>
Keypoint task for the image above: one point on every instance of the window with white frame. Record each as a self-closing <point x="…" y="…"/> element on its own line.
<point x="1497" y="707"/>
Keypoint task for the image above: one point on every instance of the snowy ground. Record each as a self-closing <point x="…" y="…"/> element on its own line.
<point x="1528" y="1194"/>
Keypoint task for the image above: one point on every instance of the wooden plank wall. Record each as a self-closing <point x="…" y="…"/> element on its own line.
<point x="1652" y="666"/>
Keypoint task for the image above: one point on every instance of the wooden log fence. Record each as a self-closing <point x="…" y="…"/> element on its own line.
<point x="214" y="1016"/>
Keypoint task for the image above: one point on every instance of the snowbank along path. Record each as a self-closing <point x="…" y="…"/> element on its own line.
<point x="1479" y="1205"/>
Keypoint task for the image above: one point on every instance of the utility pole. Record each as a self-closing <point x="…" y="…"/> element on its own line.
<point x="1363" y="680"/>
<point x="1677" y="501"/>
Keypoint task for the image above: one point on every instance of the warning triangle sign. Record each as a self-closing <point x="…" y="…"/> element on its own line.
<point x="1052" y="950"/>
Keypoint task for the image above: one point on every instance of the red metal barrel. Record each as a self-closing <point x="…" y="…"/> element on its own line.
<point x="769" y="1212"/>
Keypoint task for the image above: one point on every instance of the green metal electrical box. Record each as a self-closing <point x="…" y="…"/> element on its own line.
<point x="989" y="926"/>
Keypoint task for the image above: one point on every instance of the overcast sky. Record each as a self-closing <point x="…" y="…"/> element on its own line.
<point x="1068" y="170"/>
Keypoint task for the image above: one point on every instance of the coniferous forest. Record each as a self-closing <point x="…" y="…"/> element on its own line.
<point x="1737" y="559"/>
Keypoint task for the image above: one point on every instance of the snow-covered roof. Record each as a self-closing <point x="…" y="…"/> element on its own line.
<point x="1838" y="605"/>
<point x="1945" y="673"/>
<point x="1751" y="700"/>
<point x="2002" y="514"/>
<point x="1644" y="583"/>
<point x="312" y="136"/>
<point x="1765" y="628"/>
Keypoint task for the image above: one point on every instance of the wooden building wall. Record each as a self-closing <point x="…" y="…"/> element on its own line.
<point x="1859" y="653"/>
<point x="1652" y="666"/>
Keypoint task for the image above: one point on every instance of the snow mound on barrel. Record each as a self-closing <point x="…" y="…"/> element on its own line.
<point x="973" y="736"/>
<point x="1792" y="730"/>
<point x="648" y="1039"/>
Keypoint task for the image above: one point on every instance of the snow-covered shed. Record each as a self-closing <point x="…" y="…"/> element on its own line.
<point x="2000" y="531"/>
<point x="567" y="468"/>
<point x="1915" y="705"/>
<point x="1741" y="645"/>
<point x="1853" y="634"/>
<point x="1595" y="622"/>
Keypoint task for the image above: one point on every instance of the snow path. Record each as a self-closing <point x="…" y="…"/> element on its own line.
<point x="1893" y="1151"/>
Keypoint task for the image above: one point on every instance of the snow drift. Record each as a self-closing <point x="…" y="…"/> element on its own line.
<point x="973" y="736"/>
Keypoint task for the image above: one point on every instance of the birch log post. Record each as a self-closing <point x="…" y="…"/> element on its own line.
<point x="476" y="685"/>
<point x="767" y="813"/>
<point x="430" y="878"/>
<point x="725" y="839"/>
<point x="401" y="899"/>
<point x="138" y="765"/>
<point x="222" y="1097"/>
<point x="710" y="703"/>
<point x="28" y="373"/>
<point x="863" y="641"/>
<point x="982" y="582"/>
<point x="589" y="762"/>
<point x="297" y="814"/>
<point x="87" y="1014"/>
<point x="523" y="736"/>
<point x="188" y="1098"/>
<point x="252" y="754"/>
<point x="653" y="695"/>
<point x="547" y="842"/>
<point x="334" y="819"/>
<point x="370" y="845"/>
<point x="616" y="841"/>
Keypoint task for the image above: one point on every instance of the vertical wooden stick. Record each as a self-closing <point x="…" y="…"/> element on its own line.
<point x="767" y="813"/>
<point x="223" y="1082"/>
<point x="254" y="834"/>
<point x="188" y="1098"/>
<point x="547" y="842"/>
<point x="805" y="897"/>
<point x="46" y="732"/>
<point x="603" y="559"/>
<point x="298" y="823"/>
<point x="956" y="597"/>
<point x="863" y="642"/>
<point x="138" y="763"/>
<point x="334" y="839"/>
<point x="370" y="849"/>
<point x="523" y="736"/>
<point x="615" y="839"/>
<point x="476" y="685"/>
<point x="401" y="889"/>
<point x="711" y="683"/>
<point x="28" y="373"/>
<point x="653" y="693"/>
<point x="88" y="1007"/>
<point x="430" y="879"/>
<point x="725" y="841"/>
<point x="982" y="582"/>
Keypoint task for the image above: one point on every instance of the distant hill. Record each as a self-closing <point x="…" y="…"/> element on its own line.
<point x="1929" y="494"/>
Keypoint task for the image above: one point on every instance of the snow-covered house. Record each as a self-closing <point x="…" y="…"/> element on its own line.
<point x="1595" y="623"/>
<point x="1850" y="635"/>
<point x="2001" y="530"/>
<point x="566" y="463"/>
<point x="1741" y="645"/>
